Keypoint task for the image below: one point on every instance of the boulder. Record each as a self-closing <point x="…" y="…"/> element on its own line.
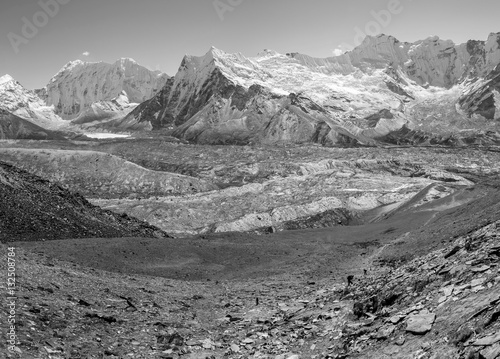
<point x="420" y="323"/>
<point x="491" y="352"/>
<point x="489" y="340"/>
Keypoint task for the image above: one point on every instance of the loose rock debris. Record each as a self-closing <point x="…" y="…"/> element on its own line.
<point x="440" y="305"/>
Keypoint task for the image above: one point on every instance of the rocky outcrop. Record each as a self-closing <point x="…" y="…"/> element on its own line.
<point x="453" y="291"/>
<point x="483" y="96"/>
<point x="80" y="84"/>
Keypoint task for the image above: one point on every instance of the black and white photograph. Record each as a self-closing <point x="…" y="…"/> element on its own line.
<point x="267" y="179"/>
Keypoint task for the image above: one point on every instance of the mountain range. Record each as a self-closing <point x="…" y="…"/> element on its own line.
<point x="384" y="91"/>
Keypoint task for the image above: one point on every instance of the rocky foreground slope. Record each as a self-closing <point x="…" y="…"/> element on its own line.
<point x="443" y="302"/>
<point x="34" y="209"/>
<point x="373" y="91"/>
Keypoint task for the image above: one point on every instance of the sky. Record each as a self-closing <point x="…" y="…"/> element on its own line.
<point x="38" y="37"/>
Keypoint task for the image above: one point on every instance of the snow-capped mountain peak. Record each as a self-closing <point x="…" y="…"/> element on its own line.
<point x="127" y="59"/>
<point x="6" y="78"/>
<point x="382" y="86"/>
<point x="70" y="66"/>
<point x="80" y="84"/>
<point x="26" y="104"/>
<point x="220" y="58"/>
<point x="268" y="53"/>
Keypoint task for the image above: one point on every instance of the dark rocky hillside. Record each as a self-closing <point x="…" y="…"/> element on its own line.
<point x="34" y="209"/>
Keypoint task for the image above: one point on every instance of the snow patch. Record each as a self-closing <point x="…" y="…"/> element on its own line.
<point x="5" y="79"/>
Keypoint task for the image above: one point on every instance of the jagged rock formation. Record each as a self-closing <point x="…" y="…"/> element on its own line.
<point x="228" y="98"/>
<point x="483" y="96"/>
<point x="34" y="209"/>
<point x="78" y="85"/>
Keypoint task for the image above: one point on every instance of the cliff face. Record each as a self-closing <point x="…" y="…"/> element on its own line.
<point x="78" y="85"/>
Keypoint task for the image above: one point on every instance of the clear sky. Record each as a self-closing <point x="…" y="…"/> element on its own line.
<point x="158" y="33"/>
